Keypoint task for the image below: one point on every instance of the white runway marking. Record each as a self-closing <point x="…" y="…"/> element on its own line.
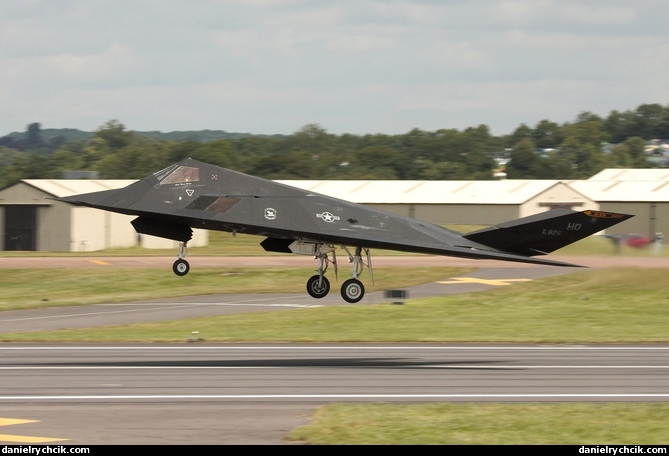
<point x="417" y="366"/>
<point x="334" y="347"/>
<point x="157" y="306"/>
<point x="337" y="396"/>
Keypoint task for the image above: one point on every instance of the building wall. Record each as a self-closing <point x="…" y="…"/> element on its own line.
<point x="466" y="214"/>
<point x="486" y="214"/>
<point x="63" y="227"/>
<point x="2" y="228"/>
<point x="649" y="217"/>
<point x="560" y="195"/>
<point x="22" y="195"/>
<point x="453" y="214"/>
<point x="93" y="229"/>
<point x="54" y="226"/>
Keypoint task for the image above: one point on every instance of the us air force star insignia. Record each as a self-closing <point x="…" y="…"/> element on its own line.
<point x="270" y="213"/>
<point x="328" y="217"/>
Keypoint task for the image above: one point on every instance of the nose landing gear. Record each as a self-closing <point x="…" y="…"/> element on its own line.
<point x="181" y="266"/>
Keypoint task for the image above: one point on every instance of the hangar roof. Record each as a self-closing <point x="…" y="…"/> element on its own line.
<point x="68" y="187"/>
<point x="632" y="174"/>
<point x="627" y="191"/>
<point x="428" y="192"/>
<point x="509" y="191"/>
<point x="360" y="191"/>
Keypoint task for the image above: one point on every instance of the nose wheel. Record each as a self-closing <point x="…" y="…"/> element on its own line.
<point x="181" y="266"/>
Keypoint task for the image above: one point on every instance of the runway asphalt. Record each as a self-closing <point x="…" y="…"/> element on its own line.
<point x="255" y="394"/>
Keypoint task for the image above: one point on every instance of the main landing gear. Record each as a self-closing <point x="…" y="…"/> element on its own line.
<point x="318" y="286"/>
<point x="352" y="290"/>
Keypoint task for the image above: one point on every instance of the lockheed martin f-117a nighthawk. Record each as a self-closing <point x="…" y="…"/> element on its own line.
<point x="191" y="194"/>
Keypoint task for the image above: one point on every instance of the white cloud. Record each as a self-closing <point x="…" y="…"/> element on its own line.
<point x="271" y="66"/>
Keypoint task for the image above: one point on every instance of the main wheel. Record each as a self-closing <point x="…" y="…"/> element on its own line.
<point x="318" y="290"/>
<point x="352" y="290"/>
<point x="181" y="267"/>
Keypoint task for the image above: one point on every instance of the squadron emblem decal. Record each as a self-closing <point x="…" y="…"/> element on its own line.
<point x="328" y="217"/>
<point x="270" y="213"/>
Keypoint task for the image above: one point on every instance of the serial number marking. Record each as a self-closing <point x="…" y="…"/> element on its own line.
<point x="600" y="214"/>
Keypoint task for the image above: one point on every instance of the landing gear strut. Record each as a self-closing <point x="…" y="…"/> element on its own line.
<point x="318" y="286"/>
<point x="181" y="266"/>
<point x="352" y="290"/>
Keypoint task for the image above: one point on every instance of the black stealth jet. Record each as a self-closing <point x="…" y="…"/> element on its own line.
<point x="191" y="194"/>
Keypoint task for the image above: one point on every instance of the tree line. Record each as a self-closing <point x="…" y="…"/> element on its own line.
<point x="572" y="150"/>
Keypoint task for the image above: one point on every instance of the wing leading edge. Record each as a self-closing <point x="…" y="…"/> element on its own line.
<point x="191" y="194"/>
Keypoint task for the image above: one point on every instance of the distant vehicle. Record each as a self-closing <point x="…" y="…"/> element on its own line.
<point x="634" y="240"/>
<point x="191" y="194"/>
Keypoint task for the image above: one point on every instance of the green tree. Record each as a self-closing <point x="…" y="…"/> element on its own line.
<point x="134" y="161"/>
<point x="547" y="135"/>
<point x="113" y="135"/>
<point x="428" y="170"/>
<point x="619" y="157"/>
<point x="620" y="125"/>
<point x="34" y="139"/>
<point x="289" y="165"/>
<point x="636" y="148"/>
<point x="375" y="162"/>
<point x="65" y="160"/>
<point x="180" y="150"/>
<point x="525" y="162"/>
<point x="651" y="121"/>
<point x="519" y="134"/>
<point x="582" y="146"/>
<point x="220" y="153"/>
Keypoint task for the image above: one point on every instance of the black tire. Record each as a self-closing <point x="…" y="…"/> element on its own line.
<point x="181" y="267"/>
<point x="352" y="291"/>
<point x="315" y="290"/>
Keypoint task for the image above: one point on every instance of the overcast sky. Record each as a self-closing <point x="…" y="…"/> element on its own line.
<point x="350" y="66"/>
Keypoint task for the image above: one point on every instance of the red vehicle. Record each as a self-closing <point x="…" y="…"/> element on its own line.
<point x="635" y="240"/>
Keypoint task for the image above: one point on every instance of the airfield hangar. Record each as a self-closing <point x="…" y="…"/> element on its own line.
<point x="29" y="220"/>
<point x="642" y="192"/>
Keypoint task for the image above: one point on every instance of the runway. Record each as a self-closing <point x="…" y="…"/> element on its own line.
<point x="255" y="394"/>
<point x="196" y="393"/>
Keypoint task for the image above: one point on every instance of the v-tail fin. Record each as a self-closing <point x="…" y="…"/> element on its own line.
<point x="546" y="232"/>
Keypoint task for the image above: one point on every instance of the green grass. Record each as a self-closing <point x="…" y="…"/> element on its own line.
<point x="51" y="287"/>
<point x="487" y="424"/>
<point x="613" y="305"/>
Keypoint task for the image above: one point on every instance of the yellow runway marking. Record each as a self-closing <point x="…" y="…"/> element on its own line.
<point x="493" y="282"/>
<point x="100" y="262"/>
<point x="23" y="438"/>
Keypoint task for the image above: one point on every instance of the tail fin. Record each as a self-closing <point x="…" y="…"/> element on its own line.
<point x="546" y="232"/>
